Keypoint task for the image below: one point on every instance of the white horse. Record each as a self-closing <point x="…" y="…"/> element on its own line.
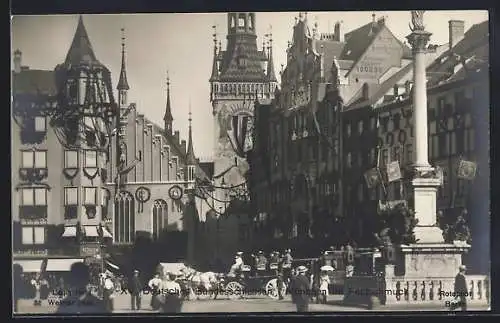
<point x="201" y="284"/>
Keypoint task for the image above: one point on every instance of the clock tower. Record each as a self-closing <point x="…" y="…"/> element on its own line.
<point x="241" y="74"/>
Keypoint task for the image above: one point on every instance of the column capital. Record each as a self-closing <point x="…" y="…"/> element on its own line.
<point x="418" y="40"/>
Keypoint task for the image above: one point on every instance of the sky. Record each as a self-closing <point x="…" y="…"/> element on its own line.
<point x="182" y="44"/>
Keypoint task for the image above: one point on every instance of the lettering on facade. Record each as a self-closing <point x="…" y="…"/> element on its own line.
<point x="40" y="221"/>
<point x="89" y="250"/>
<point x="31" y="252"/>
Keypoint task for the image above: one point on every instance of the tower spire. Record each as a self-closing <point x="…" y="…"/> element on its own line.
<point x="168" y="118"/>
<point x="123" y="83"/>
<point x="215" y="71"/>
<point x="270" y="65"/>
<point x="81" y="50"/>
<point x="190" y="157"/>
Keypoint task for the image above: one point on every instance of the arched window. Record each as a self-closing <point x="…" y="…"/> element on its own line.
<point x="124" y="221"/>
<point x="160" y="211"/>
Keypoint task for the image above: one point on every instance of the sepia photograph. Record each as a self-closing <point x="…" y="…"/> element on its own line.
<point x="249" y="162"/>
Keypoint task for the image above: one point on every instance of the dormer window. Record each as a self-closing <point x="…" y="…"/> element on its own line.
<point x="190" y="173"/>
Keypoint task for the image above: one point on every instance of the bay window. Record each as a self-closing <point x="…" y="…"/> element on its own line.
<point x="33" y="235"/>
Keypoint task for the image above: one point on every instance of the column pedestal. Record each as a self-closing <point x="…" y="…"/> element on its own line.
<point x="424" y="204"/>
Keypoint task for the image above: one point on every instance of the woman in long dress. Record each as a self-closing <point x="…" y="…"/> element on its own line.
<point x="324" y="282"/>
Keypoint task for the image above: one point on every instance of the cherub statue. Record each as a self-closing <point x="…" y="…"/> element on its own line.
<point x="417" y="20"/>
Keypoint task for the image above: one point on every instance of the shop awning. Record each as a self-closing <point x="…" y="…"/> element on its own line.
<point x="30" y="266"/>
<point x="106" y="233"/>
<point x="69" y="231"/>
<point x="61" y="264"/>
<point x="91" y="231"/>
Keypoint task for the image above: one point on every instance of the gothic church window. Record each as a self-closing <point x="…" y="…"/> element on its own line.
<point x="124" y="218"/>
<point x="160" y="210"/>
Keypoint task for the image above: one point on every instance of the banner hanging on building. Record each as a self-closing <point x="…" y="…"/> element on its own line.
<point x="393" y="171"/>
<point x="467" y="169"/>
<point x="372" y="177"/>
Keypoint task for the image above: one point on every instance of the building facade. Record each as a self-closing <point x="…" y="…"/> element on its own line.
<point x="310" y="149"/>
<point x="240" y="74"/>
<point x="297" y="147"/>
<point x="88" y="169"/>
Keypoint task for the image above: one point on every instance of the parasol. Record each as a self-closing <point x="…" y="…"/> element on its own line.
<point x="327" y="268"/>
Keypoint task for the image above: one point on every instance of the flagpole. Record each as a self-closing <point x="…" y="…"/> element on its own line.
<point x="378" y="169"/>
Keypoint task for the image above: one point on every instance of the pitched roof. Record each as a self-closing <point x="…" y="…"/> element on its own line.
<point x="330" y="49"/>
<point x="81" y="51"/>
<point x="242" y="48"/>
<point x="358" y="40"/>
<point x="34" y="82"/>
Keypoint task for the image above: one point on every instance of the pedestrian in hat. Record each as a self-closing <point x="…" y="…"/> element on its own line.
<point x="461" y="291"/>
<point x="155" y="288"/>
<point x="135" y="289"/>
<point x="171" y="300"/>
<point x="301" y="290"/>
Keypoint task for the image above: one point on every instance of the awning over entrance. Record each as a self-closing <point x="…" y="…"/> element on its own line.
<point x="30" y="266"/>
<point x="61" y="264"/>
<point x="69" y="231"/>
<point x="106" y="233"/>
<point x="91" y="231"/>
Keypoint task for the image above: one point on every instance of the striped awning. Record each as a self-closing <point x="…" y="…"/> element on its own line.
<point x="61" y="264"/>
<point x="30" y="266"/>
<point x="91" y="231"/>
<point x="69" y="231"/>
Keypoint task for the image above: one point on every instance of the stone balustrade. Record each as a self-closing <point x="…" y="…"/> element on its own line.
<point x="407" y="291"/>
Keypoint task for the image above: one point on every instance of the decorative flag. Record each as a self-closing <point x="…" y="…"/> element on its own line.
<point x="467" y="169"/>
<point x="393" y="171"/>
<point x="372" y="177"/>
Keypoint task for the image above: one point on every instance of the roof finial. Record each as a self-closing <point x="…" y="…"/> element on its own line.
<point x="168" y="81"/>
<point x="189" y="113"/>
<point x="123" y="40"/>
<point x="214" y="35"/>
<point x="300" y="15"/>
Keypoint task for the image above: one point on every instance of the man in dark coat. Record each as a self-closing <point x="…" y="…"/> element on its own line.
<point x="301" y="290"/>
<point x="461" y="291"/>
<point x="79" y="299"/>
<point x="135" y="289"/>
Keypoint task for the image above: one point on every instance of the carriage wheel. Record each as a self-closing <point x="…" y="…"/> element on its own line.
<point x="234" y="290"/>
<point x="272" y="289"/>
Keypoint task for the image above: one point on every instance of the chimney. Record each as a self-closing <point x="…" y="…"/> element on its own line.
<point x="17" y="61"/>
<point x="456" y="30"/>
<point x="183" y="146"/>
<point x="366" y="91"/>
<point x="176" y="136"/>
<point x="336" y="32"/>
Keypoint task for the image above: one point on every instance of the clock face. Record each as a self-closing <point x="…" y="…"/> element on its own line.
<point x="175" y="192"/>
